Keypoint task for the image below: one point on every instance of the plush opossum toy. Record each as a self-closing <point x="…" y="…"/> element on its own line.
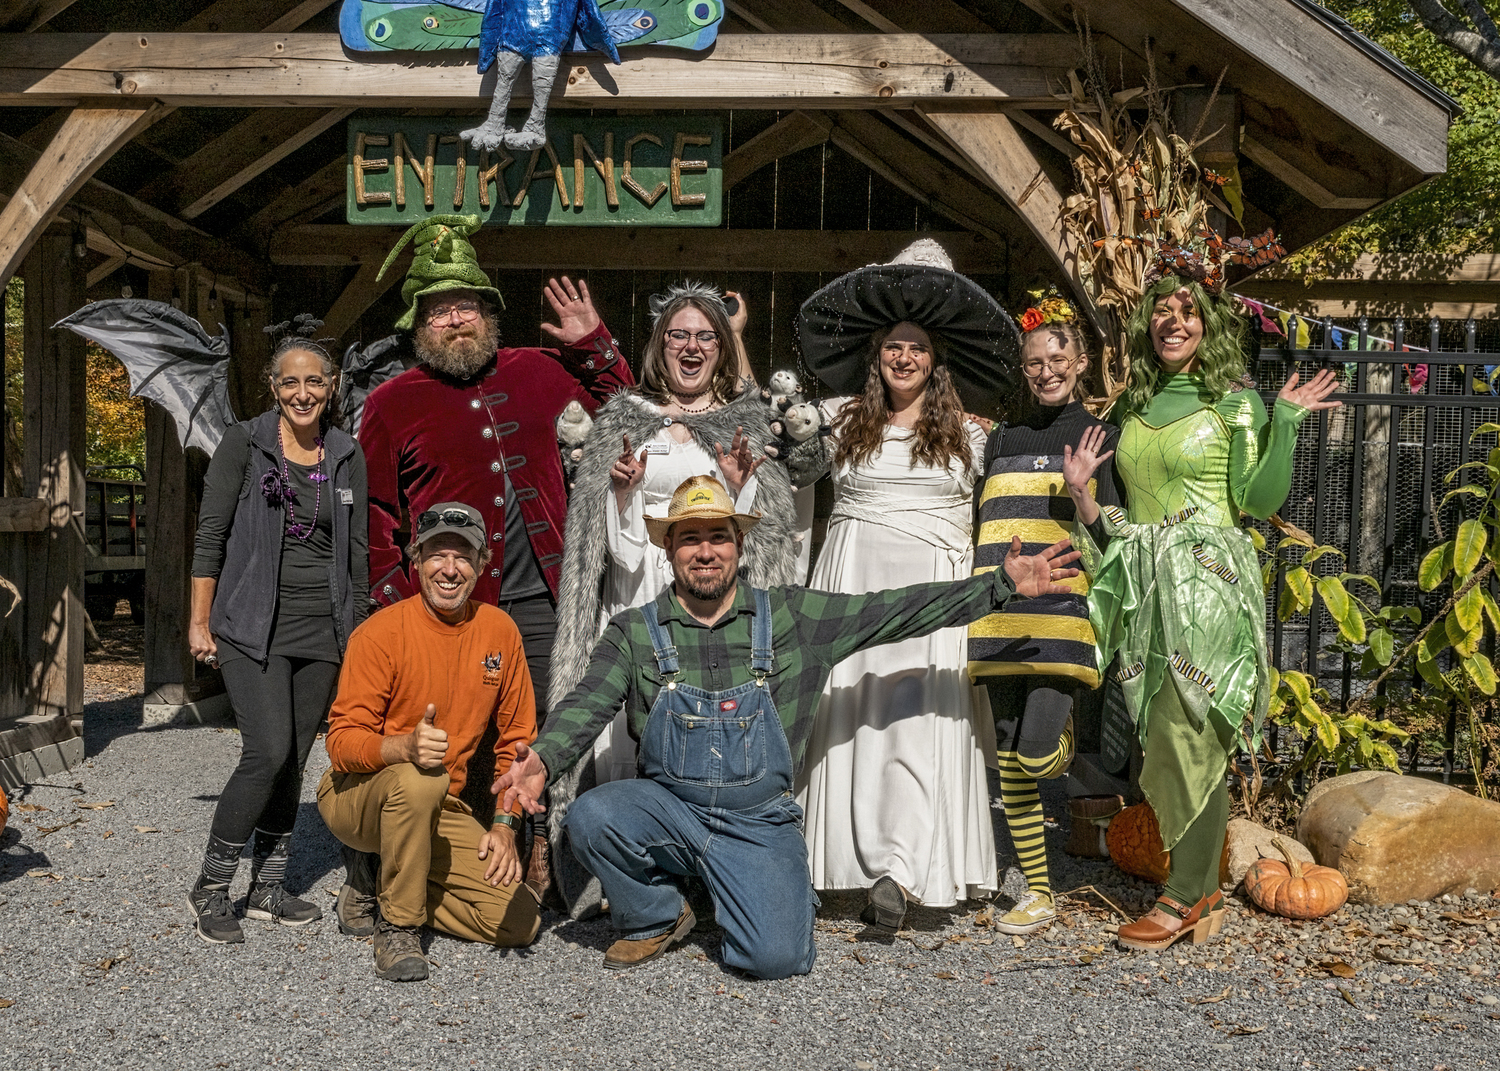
<point x="573" y="427"/>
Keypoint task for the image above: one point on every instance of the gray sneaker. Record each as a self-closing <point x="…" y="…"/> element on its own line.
<point x="213" y="915"/>
<point x="398" y="952"/>
<point x="356" y="906"/>
<point x="270" y="902"/>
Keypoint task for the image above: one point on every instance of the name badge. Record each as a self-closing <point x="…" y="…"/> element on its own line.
<point x="658" y="448"/>
<point x="346" y="496"/>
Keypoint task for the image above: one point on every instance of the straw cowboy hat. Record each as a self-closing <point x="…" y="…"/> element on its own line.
<point x="978" y="340"/>
<point x="699" y="498"/>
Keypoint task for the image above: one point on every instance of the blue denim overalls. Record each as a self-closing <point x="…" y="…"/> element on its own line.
<point x="714" y="799"/>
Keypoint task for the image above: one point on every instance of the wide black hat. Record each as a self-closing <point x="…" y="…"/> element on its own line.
<point x="978" y="339"/>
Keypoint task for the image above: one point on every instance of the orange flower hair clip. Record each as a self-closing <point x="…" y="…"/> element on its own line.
<point x="1048" y="310"/>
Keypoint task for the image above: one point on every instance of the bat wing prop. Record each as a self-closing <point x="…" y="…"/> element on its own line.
<point x="363" y="371"/>
<point x="171" y="361"/>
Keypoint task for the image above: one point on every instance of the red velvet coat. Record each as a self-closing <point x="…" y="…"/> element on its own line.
<point x="429" y="440"/>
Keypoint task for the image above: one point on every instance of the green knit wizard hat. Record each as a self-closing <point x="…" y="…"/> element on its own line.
<point x="444" y="260"/>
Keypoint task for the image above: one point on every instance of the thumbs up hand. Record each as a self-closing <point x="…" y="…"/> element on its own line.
<point x="427" y="745"/>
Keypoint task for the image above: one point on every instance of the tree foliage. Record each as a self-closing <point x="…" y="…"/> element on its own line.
<point x="1456" y="214"/>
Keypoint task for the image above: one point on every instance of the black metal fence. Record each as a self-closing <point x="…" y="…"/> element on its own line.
<point x="1368" y="477"/>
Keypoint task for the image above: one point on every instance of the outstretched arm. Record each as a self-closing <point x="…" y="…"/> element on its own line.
<point x="573" y="724"/>
<point x="1260" y="451"/>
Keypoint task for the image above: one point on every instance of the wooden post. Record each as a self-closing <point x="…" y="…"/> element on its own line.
<point x="174" y="681"/>
<point x="55" y="408"/>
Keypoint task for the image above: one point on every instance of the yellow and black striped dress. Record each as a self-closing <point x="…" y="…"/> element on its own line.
<point x="1023" y="494"/>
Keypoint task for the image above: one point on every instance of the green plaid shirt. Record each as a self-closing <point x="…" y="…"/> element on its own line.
<point x="811" y="632"/>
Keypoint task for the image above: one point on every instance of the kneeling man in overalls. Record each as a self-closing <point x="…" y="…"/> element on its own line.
<point x="720" y="683"/>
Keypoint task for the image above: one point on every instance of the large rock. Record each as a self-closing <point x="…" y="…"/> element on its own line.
<point x="1245" y="842"/>
<point x="1402" y="838"/>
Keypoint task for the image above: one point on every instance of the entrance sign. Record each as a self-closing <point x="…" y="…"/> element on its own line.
<point x="657" y="171"/>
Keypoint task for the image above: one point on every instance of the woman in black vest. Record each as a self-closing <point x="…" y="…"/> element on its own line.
<point x="280" y="569"/>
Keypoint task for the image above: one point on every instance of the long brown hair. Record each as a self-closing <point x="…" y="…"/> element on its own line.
<point x="725" y="381"/>
<point x="939" y="438"/>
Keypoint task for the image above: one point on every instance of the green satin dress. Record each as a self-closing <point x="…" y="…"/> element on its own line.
<point x="1177" y="591"/>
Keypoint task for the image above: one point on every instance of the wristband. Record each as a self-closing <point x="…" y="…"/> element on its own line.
<point x="507" y="820"/>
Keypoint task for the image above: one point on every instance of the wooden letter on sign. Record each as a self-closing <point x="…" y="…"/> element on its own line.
<point x="646" y="155"/>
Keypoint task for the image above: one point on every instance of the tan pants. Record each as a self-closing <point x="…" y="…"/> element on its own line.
<point x="428" y="841"/>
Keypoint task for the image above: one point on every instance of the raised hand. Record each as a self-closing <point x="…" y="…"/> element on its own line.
<point x="628" y="470"/>
<point x="1312" y="394"/>
<point x="1080" y="465"/>
<point x="1038" y="574"/>
<point x="575" y="310"/>
<point x="741" y="315"/>
<point x="428" y="745"/>
<point x="523" y="783"/>
<point x="739" y="464"/>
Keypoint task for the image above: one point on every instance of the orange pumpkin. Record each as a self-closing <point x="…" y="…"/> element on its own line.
<point x="1134" y="839"/>
<point x="4" y="810"/>
<point x="1294" y="889"/>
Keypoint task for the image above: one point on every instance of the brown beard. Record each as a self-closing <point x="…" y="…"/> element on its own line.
<point x="712" y="591"/>
<point x="461" y="352"/>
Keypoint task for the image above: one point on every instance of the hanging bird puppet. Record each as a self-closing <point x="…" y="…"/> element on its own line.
<point x="510" y="32"/>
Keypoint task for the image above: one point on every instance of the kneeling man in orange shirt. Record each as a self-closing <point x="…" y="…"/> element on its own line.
<point x="422" y="682"/>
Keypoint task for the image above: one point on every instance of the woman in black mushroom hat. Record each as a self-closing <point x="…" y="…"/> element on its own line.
<point x="894" y="786"/>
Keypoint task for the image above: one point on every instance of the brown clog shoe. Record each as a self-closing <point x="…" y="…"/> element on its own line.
<point x="1158" y="929"/>
<point x="632" y="952"/>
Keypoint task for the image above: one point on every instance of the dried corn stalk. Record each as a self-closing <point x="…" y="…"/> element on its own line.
<point x="1137" y="185"/>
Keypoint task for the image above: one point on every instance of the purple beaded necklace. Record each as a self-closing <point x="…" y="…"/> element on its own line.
<point x="278" y="489"/>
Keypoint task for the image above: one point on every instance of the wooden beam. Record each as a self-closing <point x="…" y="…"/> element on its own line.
<point x="105" y="270"/>
<point x="314" y="193"/>
<point x="25" y="515"/>
<point x="235" y="157"/>
<point x="89" y="137"/>
<point x="236" y="16"/>
<point x="302" y="70"/>
<point x="362" y="292"/>
<point x="134" y="224"/>
<point x="1303" y="183"/>
<point x="56" y="407"/>
<point x="787" y="16"/>
<point x="994" y="145"/>
<point x="929" y="181"/>
<point x="789" y="134"/>
<point x="646" y="248"/>
<point x="31" y="15"/>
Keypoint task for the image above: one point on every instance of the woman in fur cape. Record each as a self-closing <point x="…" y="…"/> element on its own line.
<point x="696" y="414"/>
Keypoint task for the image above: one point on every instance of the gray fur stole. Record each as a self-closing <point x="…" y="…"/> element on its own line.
<point x="770" y="559"/>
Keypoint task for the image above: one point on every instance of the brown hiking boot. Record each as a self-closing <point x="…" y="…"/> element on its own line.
<point x="539" y="868"/>
<point x="398" y="952"/>
<point x="356" y="907"/>
<point x="628" y="952"/>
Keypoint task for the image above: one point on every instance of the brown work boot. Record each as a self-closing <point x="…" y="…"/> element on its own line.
<point x="539" y="868"/>
<point x="628" y="952"/>
<point x="356" y="907"/>
<point x="398" y="952"/>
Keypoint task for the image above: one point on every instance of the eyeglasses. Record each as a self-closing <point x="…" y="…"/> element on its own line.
<point x="705" y="338"/>
<point x="464" y="310"/>
<point x="454" y="518"/>
<point x="1057" y="364"/>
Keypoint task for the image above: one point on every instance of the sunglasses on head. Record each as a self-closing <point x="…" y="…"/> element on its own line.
<point x="455" y="518"/>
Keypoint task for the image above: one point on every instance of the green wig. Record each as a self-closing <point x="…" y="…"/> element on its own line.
<point x="1221" y="354"/>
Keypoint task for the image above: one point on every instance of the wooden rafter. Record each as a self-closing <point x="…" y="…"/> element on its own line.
<point x="311" y="197"/>
<point x="789" y="134"/>
<point x="802" y="70"/>
<point x="362" y="292"/>
<point x="88" y="138"/>
<point x="235" y="157"/>
<point x="237" y="16"/>
<point x="31" y="15"/>
<point x="665" y="248"/>
<point x="1298" y="179"/>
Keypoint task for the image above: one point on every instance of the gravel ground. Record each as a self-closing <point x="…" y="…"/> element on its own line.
<point x="99" y="965"/>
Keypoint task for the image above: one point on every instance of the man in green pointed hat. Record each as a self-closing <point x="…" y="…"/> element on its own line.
<point x="475" y="423"/>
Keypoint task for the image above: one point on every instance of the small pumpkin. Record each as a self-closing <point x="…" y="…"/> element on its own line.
<point x="1134" y="840"/>
<point x="1294" y="889"/>
<point x="4" y="810"/>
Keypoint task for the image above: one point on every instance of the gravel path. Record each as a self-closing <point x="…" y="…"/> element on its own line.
<point x="99" y="966"/>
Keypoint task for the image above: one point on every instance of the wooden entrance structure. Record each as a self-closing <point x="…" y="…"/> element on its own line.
<point x="194" y="150"/>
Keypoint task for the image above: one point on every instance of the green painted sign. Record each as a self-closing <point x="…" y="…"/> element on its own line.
<point x="656" y="171"/>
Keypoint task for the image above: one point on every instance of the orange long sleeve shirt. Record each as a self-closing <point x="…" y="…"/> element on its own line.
<point x="403" y="658"/>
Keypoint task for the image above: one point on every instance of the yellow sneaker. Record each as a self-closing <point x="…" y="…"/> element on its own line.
<point x="1032" y="912"/>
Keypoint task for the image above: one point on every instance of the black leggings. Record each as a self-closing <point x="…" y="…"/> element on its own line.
<point x="278" y="708"/>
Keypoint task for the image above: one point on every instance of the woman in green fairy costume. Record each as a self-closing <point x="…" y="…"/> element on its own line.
<point x="1176" y="592"/>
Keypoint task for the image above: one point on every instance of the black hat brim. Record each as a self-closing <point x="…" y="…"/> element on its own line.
<point x="978" y="339"/>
